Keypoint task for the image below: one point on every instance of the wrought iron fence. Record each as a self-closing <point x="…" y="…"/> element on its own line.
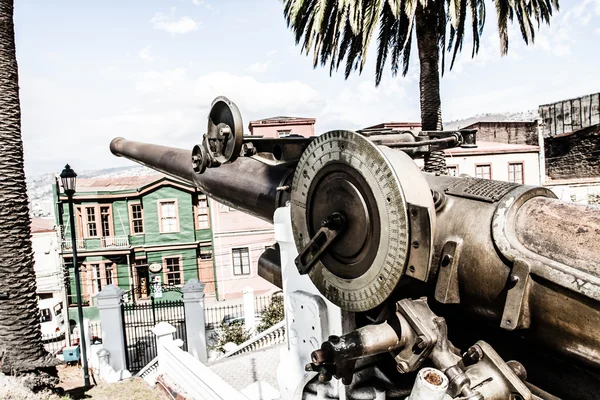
<point x="224" y="315"/>
<point x="55" y="343"/>
<point x="138" y="321"/>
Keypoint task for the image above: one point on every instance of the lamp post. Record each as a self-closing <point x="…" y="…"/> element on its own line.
<point x="68" y="178"/>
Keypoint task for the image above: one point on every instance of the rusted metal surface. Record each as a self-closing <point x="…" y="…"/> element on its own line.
<point x="565" y="232"/>
<point x="247" y="184"/>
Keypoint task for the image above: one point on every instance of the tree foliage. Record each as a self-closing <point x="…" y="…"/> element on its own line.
<point x="231" y="333"/>
<point x="342" y="30"/>
<point x="273" y="314"/>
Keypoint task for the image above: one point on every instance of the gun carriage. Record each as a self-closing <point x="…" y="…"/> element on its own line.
<point x="404" y="283"/>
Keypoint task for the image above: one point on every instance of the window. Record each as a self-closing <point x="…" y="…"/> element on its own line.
<point x="515" y="172"/>
<point x="92" y="229"/>
<point x="45" y="315"/>
<point x="108" y="272"/>
<point x="168" y="216"/>
<point x="137" y="219"/>
<point x="173" y="271"/>
<point x="453" y="170"/>
<point x="241" y="261"/>
<point x="206" y="253"/>
<point x="203" y="222"/>
<point x="284" y="133"/>
<point x="105" y="220"/>
<point x="96" y="283"/>
<point x="483" y="171"/>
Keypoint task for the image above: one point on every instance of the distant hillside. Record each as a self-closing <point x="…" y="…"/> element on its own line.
<point x="530" y="115"/>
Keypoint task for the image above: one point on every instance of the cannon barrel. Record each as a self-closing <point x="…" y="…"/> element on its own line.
<point x="247" y="185"/>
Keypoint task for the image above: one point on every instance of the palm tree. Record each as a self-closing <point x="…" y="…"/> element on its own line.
<point x="338" y="30"/>
<point x="21" y="346"/>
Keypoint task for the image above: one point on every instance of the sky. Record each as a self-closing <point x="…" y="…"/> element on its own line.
<point x="148" y="70"/>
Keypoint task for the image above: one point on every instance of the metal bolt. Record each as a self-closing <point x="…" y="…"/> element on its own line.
<point x="402" y="367"/>
<point x="473" y="355"/>
<point x="308" y="367"/>
<point x="334" y="339"/>
<point x="415" y="244"/>
<point x="518" y="369"/>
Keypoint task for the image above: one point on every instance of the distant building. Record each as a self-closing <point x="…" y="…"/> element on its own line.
<point x="46" y="253"/>
<point x="139" y="233"/>
<point x="515" y="163"/>
<point x="276" y="127"/>
<point x="393" y="126"/>
<point x="510" y="132"/>
<point x="571" y="133"/>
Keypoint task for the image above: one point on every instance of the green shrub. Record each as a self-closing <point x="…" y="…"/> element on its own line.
<point x="273" y="313"/>
<point x="232" y="333"/>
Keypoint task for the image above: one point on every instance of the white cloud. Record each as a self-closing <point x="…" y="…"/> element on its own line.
<point x="203" y="3"/>
<point x="172" y="25"/>
<point x="145" y="53"/>
<point x="258" y="67"/>
<point x="597" y="31"/>
<point x="271" y="53"/>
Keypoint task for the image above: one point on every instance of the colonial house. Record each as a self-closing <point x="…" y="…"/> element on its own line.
<point x="145" y="234"/>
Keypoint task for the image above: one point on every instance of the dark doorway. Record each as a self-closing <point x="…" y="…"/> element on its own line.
<point x="142" y="282"/>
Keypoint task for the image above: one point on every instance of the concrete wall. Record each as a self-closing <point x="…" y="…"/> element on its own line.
<point x="570" y="115"/>
<point x="574" y="156"/>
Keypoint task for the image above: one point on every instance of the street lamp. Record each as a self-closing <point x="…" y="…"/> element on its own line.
<point x="68" y="178"/>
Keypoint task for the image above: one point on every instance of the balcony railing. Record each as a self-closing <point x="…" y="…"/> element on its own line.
<point x="67" y="244"/>
<point x="114" y="241"/>
<point x="104" y="242"/>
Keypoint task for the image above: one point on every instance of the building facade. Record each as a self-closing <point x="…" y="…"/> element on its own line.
<point x="46" y="253"/>
<point x="146" y="234"/>
<point x="515" y="163"/>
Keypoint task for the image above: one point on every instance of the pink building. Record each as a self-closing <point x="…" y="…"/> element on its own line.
<point x="276" y="127"/>
<point x="238" y="238"/>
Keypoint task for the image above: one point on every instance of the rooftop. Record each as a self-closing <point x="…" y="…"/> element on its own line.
<point x="40" y="225"/>
<point x="116" y="183"/>
<point x="492" y="148"/>
<point x="282" y="120"/>
<point x="394" y="125"/>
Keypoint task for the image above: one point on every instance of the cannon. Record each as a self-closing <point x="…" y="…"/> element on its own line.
<point x="399" y="282"/>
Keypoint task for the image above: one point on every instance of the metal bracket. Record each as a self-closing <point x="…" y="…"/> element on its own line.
<point x="516" y="313"/>
<point x="420" y="318"/>
<point x="494" y="379"/>
<point x="447" y="289"/>
<point x="420" y="247"/>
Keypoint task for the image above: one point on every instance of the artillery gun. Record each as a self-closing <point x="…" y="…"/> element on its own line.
<point x="403" y="283"/>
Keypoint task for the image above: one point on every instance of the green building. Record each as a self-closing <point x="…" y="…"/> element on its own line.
<point x="146" y="234"/>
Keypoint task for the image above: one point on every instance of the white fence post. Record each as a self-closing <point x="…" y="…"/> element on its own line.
<point x="249" y="312"/>
<point x="164" y="334"/>
<point x="109" y="302"/>
<point x="195" y="324"/>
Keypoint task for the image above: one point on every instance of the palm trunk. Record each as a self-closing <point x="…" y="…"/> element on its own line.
<point x="21" y="346"/>
<point x="429" y="82"/>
